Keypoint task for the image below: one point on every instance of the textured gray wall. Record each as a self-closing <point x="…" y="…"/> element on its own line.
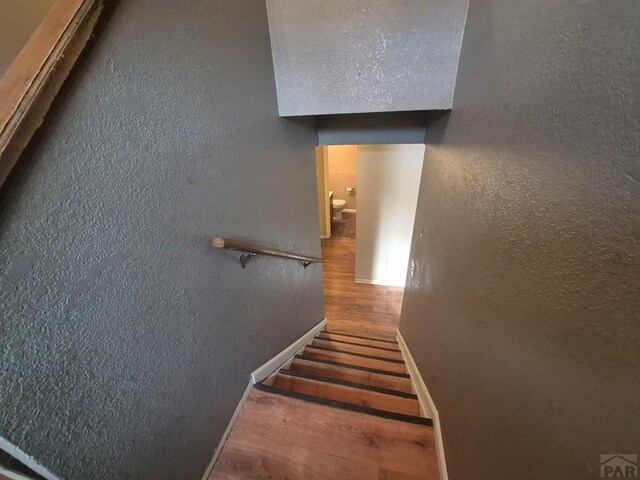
<point x="358" y="56"/>
<point x="523" y="313"/>
<point x="126" y="341"/>
<point x="374" y="128"/>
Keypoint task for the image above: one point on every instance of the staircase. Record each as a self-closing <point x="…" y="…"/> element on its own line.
<point x="343" y="407"/>
<point x="359" y="374"/>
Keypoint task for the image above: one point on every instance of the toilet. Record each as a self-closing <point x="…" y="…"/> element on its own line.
<point x="338" y="205"/>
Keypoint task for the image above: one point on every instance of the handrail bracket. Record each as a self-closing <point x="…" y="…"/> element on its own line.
<point x="245" y="257"/>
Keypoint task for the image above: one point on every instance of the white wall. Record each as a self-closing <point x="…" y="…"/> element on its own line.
<point x="388" y="181"/>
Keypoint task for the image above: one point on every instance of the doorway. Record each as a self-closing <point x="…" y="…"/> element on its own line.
<point x="366" y="244"/>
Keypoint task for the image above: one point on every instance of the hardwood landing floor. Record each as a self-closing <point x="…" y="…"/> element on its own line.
<point x="355" y="308"/>
<point x="285" y="438"/>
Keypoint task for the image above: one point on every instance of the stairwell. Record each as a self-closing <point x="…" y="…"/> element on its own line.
<point x="342" y="408"/>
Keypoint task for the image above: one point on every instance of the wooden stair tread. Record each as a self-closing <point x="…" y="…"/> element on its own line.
<point x="347" y="394"/>
<point x="282" y="437"/>
<point x="365" y="349"/>
<point x="400" y="417"/>
<point x="358" y="341"/>
<point x="352" y="366"/>
<point x="373" y="342"/>
<point x="358" y="354"/>
<point x="352" y="375"/>
<point x="315" y="376"/>
<point x="355" y="359"/>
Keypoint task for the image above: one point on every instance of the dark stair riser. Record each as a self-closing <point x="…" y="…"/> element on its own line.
<point x="356" y="367"/>
<point x="361" y="386"/>
<point x="392" y="342"/>
<point x="363" y="355"/>
<point x="359" y="345"/>
<point x="348" y="406"/>
<point x="353" y="375"/>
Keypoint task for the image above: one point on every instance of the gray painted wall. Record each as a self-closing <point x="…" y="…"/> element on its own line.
<point x="374" y="128"/>
<point x="523" y="313"/>
<point x="126" y="341"/>
<point x="346" y="56"/>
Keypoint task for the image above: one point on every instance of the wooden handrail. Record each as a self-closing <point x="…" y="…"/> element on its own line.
<point x="252" y="249"/>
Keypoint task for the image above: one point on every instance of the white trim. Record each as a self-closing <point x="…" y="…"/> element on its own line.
<point x="369" y="281"/>
<point x="427" y="407"/>
<point x="258" y="375"/>
<point x="325" y="237"/>
<point x="281" y="358"/>
<point x="26" y="460"/>
<point x="349" y="210"/>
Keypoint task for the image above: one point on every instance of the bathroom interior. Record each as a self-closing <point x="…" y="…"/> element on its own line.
<point x="367" y="197"/>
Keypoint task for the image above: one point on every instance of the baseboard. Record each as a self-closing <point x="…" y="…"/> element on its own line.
<point x="258" y="375"/>
<point x="349" y="210"/>
<point x="280" y="359"/>
<point x="325" y="237"/>
<point x="427" y="407"/>
<point x="368" y="281"/>
<point x="26" y="460"/>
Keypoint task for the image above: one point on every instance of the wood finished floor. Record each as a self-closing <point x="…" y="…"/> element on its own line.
<point x="278" y="437"/>
<point x="358" y="309"/>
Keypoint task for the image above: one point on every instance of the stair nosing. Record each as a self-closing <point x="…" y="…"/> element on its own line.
<point x="355" y="367"/>
<point x="402" y="417"/>
<point x="347" y="383"/>
<point x="360" y="345"/>
<point x="360" y="336"/>
<point x="373" y="357"/>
